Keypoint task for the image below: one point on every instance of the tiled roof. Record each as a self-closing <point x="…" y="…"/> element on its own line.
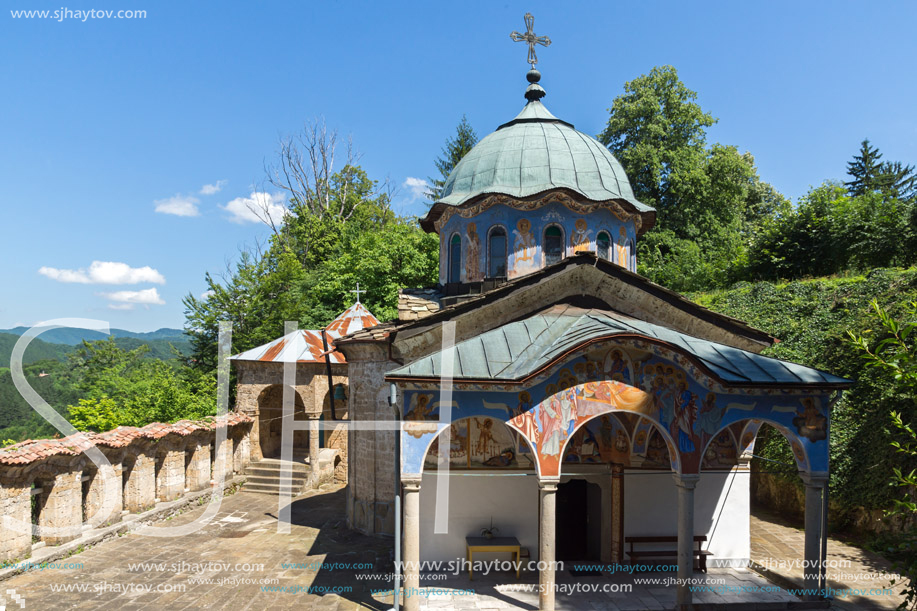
<point x="518" y="350"/>
<point x="32" y="450"/>
<point x="306" y="345"/>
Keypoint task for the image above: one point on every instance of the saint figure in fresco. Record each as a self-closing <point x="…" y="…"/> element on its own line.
<point x="523" y="246"/>
<point x="683" y="422"/>
<point x="708" y="417"/>
<point x="473" y="257"/>
<point x="616" y="367"/>
<point x="549" y="419"/>
<point x="527" y="426"/>
<point x="621" y="254"/>
<point x="421" y="409"/>
<point x="503" y="459"/>
<point x="485" y="435"/>
<point x="579" y="237"/>
<point x="525" y="403"/>
<point x="810" y="423"/>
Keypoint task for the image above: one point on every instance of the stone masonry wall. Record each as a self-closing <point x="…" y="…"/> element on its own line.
<point x="70" y="491"/>
<point x="370" y="494"/>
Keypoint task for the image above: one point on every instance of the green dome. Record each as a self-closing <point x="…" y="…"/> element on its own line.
<point x="536" y="152"/>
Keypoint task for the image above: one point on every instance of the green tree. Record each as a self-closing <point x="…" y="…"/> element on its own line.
<point x="456" y="147"/>
<point x="899" y="181"/>
<point x="658" y="133"/>
<point x="125" y="387"/>
<point x="709" y="199"/>
<point x="865" y="170"/>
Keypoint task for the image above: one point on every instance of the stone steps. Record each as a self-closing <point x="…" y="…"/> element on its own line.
<point x="263" y="477"/>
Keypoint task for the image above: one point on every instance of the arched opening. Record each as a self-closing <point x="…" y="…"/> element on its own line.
<point x="41" y="491"/>
<point x="631" y="256"/>
<point x="553" y="245"/>
<point x="496" y="253"/>
<point x="89" y="504"/>
<point x="455" y="258"/>
<point x="270" y="423"/>
<point x="603" y="245"/>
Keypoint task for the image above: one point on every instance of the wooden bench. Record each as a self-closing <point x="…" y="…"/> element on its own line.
<point x="699" y="554"/>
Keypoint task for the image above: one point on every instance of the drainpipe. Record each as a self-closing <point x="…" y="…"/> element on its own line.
<point x="328" y="369"/>
<point x="393" y="401"/>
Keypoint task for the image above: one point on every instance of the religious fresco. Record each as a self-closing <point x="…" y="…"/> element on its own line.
<point x="523" y="254"/>
<point x="579" y="237"/>
<point x="622" y="257"/>
<point x="657" y="452"/>
<point x="526" y="228"/>
<point x="480" y="443"/>
<point x="473" y="263"/>
<point x="721" y="452"/>
<point x="670" y="413"/>
<point x="601" y="440"/>
<point x="810" y="423"/>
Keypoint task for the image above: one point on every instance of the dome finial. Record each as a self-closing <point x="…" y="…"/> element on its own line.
<point x="534" y="90"/>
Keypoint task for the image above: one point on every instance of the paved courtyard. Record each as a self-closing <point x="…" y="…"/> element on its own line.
<point x="851" y="571"/>
<point x="239" y="561"/>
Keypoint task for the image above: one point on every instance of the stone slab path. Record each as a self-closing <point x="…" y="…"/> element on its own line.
<point x="239" y="561"/>
<point x="854" y="573"/>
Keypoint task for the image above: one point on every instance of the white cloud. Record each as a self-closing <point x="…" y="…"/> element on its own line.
<point x="105" y="272"/>
<point x="418" y="187"/>
<point x="214" y="188"/>
<point x="252" y="209"/>
<point x="179" y="205"/>
<point x="206" y="295"/>
<point x="126" y="300"/>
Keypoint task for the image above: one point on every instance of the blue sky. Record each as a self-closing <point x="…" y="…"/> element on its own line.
<point x="105" y="120"/>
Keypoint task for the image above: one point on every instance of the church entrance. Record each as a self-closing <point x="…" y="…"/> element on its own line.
<point x="579" y="521"/>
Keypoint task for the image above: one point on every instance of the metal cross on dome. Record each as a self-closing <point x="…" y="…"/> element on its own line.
<point x="358" y="291"/>
<point x="531" y="39"/>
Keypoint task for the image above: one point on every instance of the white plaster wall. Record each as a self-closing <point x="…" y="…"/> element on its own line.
<point x="512" y="501"/>
<point x="721" y="509"/>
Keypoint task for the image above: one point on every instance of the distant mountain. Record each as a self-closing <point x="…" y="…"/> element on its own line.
<point x="72" y="337"/>
<point x="38" y="350"/>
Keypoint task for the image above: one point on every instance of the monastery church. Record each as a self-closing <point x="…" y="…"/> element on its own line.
<point x="562" y="397"/>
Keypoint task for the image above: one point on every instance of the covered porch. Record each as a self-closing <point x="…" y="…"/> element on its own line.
<point x="656" y="425"/>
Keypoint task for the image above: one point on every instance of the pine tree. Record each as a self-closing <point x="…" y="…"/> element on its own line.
<point x="455" y="148"/>
<point x="898" y="181"/>
<point x="865" y="169"/>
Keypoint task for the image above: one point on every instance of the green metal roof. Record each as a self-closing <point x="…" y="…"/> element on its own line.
<point x="536" y="152"/>
<point x="518" y="350"/>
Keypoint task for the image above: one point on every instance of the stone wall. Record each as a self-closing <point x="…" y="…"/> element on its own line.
<point x="371" y="493"/>
<point x="51" y="490"/>
<point x="787" y="498"/>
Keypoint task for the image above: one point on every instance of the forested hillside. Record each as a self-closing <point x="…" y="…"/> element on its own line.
<point x="811" y="319"/>
<point x="56" y="372"/>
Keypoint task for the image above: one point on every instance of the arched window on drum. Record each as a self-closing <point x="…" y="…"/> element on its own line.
<point x="553" y="245"/>
<point x="603" y="245"/>
<point x="455" y="258"/>
<point x="496" y="253"/>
